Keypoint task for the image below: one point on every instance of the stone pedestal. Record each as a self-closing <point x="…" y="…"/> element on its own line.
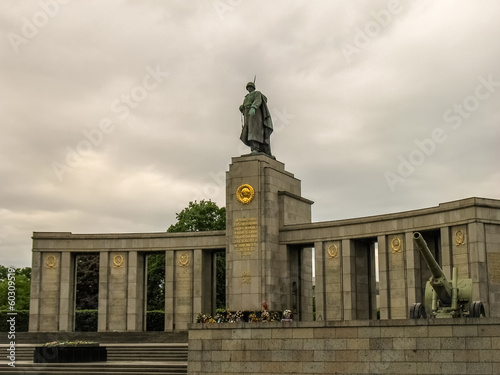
<point x="261" y="197"/>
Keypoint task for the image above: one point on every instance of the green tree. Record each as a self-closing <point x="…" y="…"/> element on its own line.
<point x="198" y="217"/>
<point x="22" y="288"/>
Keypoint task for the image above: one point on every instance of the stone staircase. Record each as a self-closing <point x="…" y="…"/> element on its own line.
<point x="130" y="358"/>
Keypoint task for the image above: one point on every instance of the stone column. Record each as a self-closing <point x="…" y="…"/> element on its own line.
<point x="320" y="285"/>
<point x="50" y="292"/>
<point x="36" y="274"/>
<point x="117" y="291"/>
<point x="198" y="283"/>
<point x="402" y="274"/>
<point x="349" y="279"/>
<point x="332" y="254"/>
<point x="477" y="263"/>
<point x="446" y="256"/>
<point x="492" y="232"/>
<point x="183" y="289"/>
<point x="67" y="291"/>
<point x="136" y="287"/>
<point x="461" y="248"/>
<point x="169" y="291"/>
<point x="102" y="315"/>
<point x="384" y="278"/>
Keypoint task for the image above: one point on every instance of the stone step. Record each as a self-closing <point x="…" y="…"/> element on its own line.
<point x="146" y="368"/>
<point x="123" y="352"/>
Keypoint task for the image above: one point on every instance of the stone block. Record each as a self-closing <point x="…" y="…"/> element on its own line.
<point x="369" y="355"/>
<point x="426" y="368"/>
<point x="260" y="333"/>
<point x="479" y="368"/>
<point x="358" y="344"/>
<point x="464" y="331"/>
<point x="418" y="331"/>
<point x="400" y="368"/>
<point x="324" y="356"/>
<point x="466" y="355"/>
<point x="281" y="333"/>
<point x="200" y="334"/>
<point x="292" y="367"/>
<point x="219" y="356"/>
<point x="322" y="333"/>
<point x="381" y="344"/>
<point x="428" y="343"/>
<point x="346" y="332"/>
<point x="478" y="343"/>
<point x="369" y="332"/>
<point x="391" y="332"/>
<point x="403" y="343"/>
<point x="453" y="368"/>
<point x="392" y="355"/>
<point x="302" y="333"/>
<point x="336" y="344"/>
<point x="452" y="343"/>
<point x="313" y="344"/>
<point x="346" y="356"/>
<point x="271" y="367"/>
<point x="212" y="345"/>
<point x="314" y="368"/>
<point x="416" y="355"/>
<point x="241" y="355"/>
<point x="489" y="356"/>
<point x="441" y="331"/>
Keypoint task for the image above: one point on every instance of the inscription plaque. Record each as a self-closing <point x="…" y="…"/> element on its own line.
<point x="245" y="235"/>
<point x="494" y="267"/>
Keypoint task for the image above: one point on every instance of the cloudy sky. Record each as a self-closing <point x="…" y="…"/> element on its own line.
<point x="116" y="114"/>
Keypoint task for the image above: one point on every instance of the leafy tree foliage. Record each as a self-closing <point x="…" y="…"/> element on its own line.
<point x="220" y="287"/>
<point x="156" y="282"/>
<point x="22" y="288"/>
<point x="197" y="217"/>
<point x="87" y="282"/>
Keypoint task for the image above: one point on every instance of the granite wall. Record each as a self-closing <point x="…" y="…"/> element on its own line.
<point x="441" y="346"/>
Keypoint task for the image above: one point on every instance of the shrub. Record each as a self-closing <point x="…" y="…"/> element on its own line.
<point x="22" y="320"/>
<point x="86" y="321"/>
<point x="155" y="320"/>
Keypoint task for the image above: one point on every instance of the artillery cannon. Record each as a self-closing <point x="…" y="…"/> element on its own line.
<point x="444" y="299"/>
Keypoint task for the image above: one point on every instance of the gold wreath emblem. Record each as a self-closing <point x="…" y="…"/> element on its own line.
<point x="459" y="237"/>
<point x="396" y="245"/>
<point x="184" y="259"/>
<point x="333" y="251"/>
<point x="51" y="261"/>
<point x="118" y="260"/>
<point x="245" y="194"/>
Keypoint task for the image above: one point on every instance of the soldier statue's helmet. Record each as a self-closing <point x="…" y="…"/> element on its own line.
<point x="250" y="84"/>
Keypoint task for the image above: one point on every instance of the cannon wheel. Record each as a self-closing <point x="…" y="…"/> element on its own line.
<point x="477" y="309"/>
<point x="417" y="311"/>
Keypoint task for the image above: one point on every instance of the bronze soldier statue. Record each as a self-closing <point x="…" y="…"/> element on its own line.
<point x="258" y="125"/>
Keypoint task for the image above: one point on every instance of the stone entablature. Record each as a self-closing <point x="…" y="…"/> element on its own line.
<point x="67" y="241"/>
<point x="447" y="214"/>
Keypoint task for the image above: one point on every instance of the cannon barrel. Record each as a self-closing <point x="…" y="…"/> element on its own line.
<point x="438" y="281"/>
<point x="444" y="299"/>
<point x="436" y="271"/>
